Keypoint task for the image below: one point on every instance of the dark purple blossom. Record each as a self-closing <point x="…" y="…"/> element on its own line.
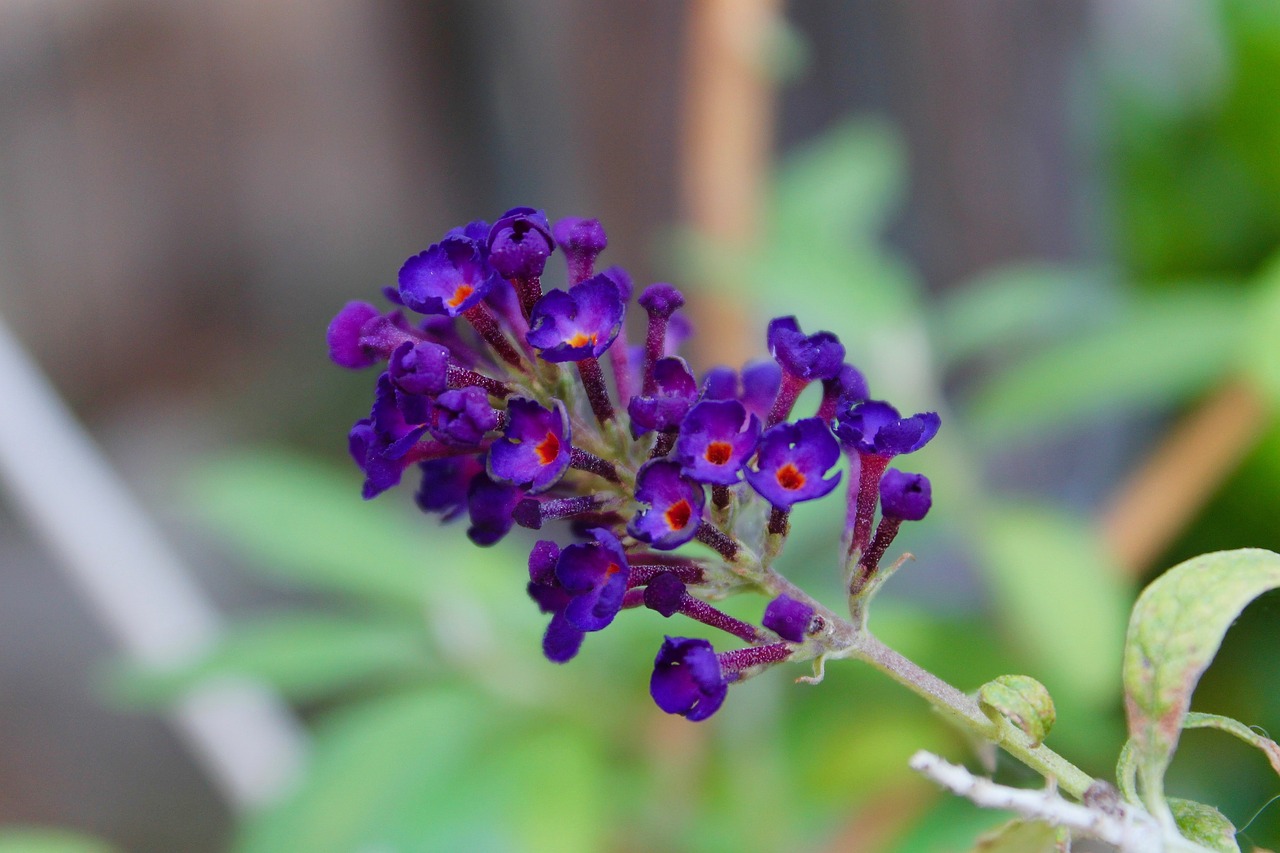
<point x="671" y="506"/>
<point x="463" y="416"/>
<point x="716" y="439"/>
<point x="379" y="442"/>
<point x="595" y="575"/>
<point x="788" y="618"/>
<point x="760" y="383"/>
<point x="665" y="593"/>
<point x="905" y="496"/>
<point x="791" y="460"/>
<point x="687" y="679"/>
<point x="622" y="279"/>
<point x="720" y="383"/>
<point x="491" y="505"/>
<point x="448" y="278"/>
<point x="519" y="243"/>
<point x="445" y="483"/>
<point x="579" y="324"/>
<point x="661" y="299"/>
<point x="582" y="240"/>
<point x="360" y="336"/>
<point x="674" y="394"/>
<point x="873" y="427"/>
<point x="562" y="639"/>
<point x="477" y="232"/>
<point x="420" y="367"/>
<point x="817" y="356"/>
<point x="534" y="449"/>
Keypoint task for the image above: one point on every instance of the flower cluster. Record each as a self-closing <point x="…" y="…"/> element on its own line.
<point x="635" y="453"/>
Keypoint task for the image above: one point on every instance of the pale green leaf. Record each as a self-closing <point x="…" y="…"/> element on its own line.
<point x="842" y="186"/>
<point x="16" y="839"/>
<point x="1015" y="305"/>
<point x="1260" y="347"/>
<point x="1176" y="628"/>
<point x="1204" y="825"/>
<point x="305" y="522"/>
<point x="1063" y="602"/>
<point x="1269" y="748"/>
<point x="1021" y="836"/>
<point x="1168" y="349"/>
<point x="372" y="765"/>
<point x="302" y="657"/>
<point x="1023" y="701"/>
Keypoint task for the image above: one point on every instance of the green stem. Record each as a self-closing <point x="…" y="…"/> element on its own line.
<point x="964" y="712"/>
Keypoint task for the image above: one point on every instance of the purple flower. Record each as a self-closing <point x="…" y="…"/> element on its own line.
<point x="791" y="461"/>
<point x="420" y="368"/>
<point x="463" y="416"/>
<point x="595" y="575"/>
<point x="873" y="427"/>
<point x="664" y="593"/>
<point x="760" y="383"/>
<point x="687" y="679"/>
<point x="491" y="505"/>
<point x="904" y="496"/>
<point x="661" y="299"/>
<point x="359" y="336"/>
<point x="788" y="618"/>
<point x="675" y="393"/>
<point x="582" y="241"/>
<point x="447" y="278"/>
<point x="562" y="640"/>
<point x="579" y="324"/>
<point x="716" y="439"/>
<point x="534" y="449"/>
<point x="445" y="483"/>
<point x="818" y="356"/>
<point x="673" y="506"/>
<point x="519" y="243"/>
<point x="379" y="442"/>
<point x="622" y="279"/>
<point x="477" y="232"/>
<point x="720" y="383"/>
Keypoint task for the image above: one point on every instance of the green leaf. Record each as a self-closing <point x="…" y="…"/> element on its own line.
<point x="305" y="522"/>
<point x="1063" y="601"/>
<point x="1176" y="628"/>
<point x="843" y="185"/>
<point x="1260" y="348"/>
<point x="1204" y="825"/>
<point x="1023" y="700"/>
<point x="302" y="657"/>
<point x="1022" y="836"/>
<point x="1170" y="348"/>
<point x="39" y="840"/>
<point x="1269" y="748"/>
<point x="376" y="765"/>
<point x="1015" y="305"/>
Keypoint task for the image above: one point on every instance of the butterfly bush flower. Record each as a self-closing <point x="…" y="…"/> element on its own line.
<point x="671" y="506"/>
<point x="874" y="432"/>
<point x="497" y="394"/>
<point x="534" y="448"/>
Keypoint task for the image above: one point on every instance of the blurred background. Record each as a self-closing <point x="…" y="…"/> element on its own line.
<point x="1055" y="223"/>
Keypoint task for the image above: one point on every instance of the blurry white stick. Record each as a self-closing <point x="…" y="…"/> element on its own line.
<point x="243" y="735"/>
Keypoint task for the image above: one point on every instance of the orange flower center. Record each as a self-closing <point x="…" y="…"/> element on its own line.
<point x="460" y="295"/>
<point x="718" y="452"/>
<point x="678" y="514"/>
<point x="581" y="340"/>
<point x="612" y="570"/>
<point x="789" y="477"/>
<point x="548" y="449"/>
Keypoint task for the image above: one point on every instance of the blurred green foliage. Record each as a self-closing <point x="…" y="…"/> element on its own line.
<point x="438" y="725"/>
